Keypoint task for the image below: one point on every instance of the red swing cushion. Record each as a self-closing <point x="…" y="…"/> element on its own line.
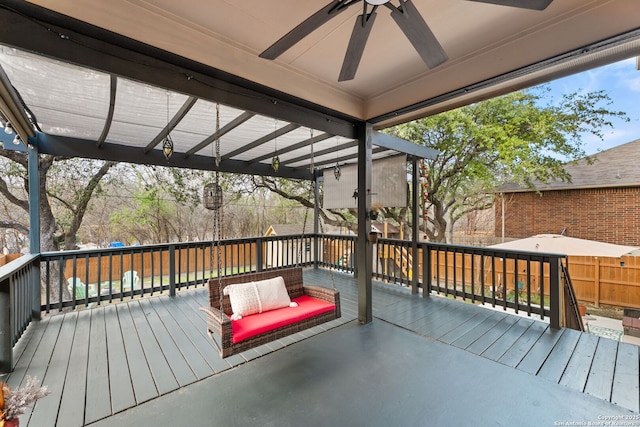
<point x="256" y="324"/>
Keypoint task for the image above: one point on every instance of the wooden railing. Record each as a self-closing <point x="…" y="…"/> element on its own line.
<point x="83" y="278"/>
<point x="522" y="281"/>
<point x="19" y="303"/>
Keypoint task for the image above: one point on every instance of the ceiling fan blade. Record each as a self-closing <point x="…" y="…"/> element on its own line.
<point x="522" y="4"/>
<point x="357" y="42"/>
<point x="419" y="34"/>
<point x="305" y="28"/>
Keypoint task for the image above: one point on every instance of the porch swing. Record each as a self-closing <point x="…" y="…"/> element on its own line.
<point x="251" y="309"/>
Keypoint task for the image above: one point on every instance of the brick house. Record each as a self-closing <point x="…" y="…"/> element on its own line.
<point x="601" y="203"/>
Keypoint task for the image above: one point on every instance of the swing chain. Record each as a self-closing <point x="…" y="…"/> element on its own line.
<point x="217" y="218"/>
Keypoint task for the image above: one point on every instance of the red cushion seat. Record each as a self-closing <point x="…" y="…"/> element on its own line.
<point x="255" y="324"/>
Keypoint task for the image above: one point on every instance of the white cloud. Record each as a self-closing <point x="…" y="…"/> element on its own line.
<point x="634" y="84"/>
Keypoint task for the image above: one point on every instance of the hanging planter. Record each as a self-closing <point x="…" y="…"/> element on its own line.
<point x="212" y="196"/>
<point x="373" y="237"/>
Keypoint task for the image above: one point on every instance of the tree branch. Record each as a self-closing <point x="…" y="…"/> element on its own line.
<point x="4" y="190"/>
<point x="15" y="226"/>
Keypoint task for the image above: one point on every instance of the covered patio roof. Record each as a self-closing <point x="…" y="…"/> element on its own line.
<point x="110" y="80"/>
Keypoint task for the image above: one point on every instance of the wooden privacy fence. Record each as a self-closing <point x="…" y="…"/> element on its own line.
<point x="604" y="280"/>
<point x="6" y="259"/>
<point x="154" y="262"/>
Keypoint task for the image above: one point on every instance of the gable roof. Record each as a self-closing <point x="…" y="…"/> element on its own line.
<point x="615" y="167"/>
<point x="285" y="230"/>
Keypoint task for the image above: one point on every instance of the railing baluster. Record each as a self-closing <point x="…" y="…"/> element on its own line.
<point x="504" y="282"/>
<point x="172" y="269"/>
<point x="554" y="292"/>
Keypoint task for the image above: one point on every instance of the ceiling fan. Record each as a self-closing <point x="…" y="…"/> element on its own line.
<point x="406" y="16"/>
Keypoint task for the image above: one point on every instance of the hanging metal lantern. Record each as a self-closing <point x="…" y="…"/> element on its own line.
<point x="167" y="147"/>
<point x="212" y="196"/>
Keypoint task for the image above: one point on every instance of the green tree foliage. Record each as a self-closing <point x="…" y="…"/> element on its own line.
<point x="67" y="187"/>
<point x="149" y="219"/>
<point x="512" y="138"/>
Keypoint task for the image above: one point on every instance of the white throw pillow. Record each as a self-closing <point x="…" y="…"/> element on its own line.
<point x="272" y="294"/>
<point x="257" y="297"/>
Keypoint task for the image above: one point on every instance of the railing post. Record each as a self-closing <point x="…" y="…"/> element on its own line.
<point x="6" y="332"/>
<point x="554" y="292"/>
<point x="426" y="270"/>
<point x="172" y="270"/>
<point x="34" y="282"/>
<point x="259" y="255"/>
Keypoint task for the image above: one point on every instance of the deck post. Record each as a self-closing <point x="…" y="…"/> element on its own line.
<point x="259" y="254"/>
<point x="33" y="167"/>
<point x="426" y="270"/>
<point x="364" y="249"/>
<point x="6" y="348"/>
<point x="172" y="270"/>
<point x="554" y="292"/>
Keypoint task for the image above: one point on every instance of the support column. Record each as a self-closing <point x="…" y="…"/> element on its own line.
<point x="34" y="200"/>
<point x="364" y="134"/>
<point x="33" y="170"/>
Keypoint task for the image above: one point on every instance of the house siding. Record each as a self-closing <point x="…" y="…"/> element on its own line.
<point x="609" y="215"/>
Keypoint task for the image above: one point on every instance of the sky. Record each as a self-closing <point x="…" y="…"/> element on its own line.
<point x="621" y="81"/>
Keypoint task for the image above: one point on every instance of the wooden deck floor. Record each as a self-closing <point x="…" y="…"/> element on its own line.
<point x="108" y="359"/>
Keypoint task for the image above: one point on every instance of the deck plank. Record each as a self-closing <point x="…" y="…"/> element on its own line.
<point x="535" y="358"/>
<point x="442" y="321"/>
<point x="600" y="379"/>
<point x="470" y="322"/>
<point x="195" y="327"/>
<point x="98" y="403"/>
<point x="32" y="339"/>
<point x="556" y="363"/>
<point x="56" y="373"/>
<point x="479" y="330"/>
<point x="122" y="396"/>
<point x="577" y="370"/>
<point x="72" y="402"/>
<point x="160" y="370"/>
<point x="36" y="366"/>
<point x="626" y="382"/>
<point x="492" y="335"/>
<point x="167" y="350"/>
<point x="194" y="358"/>
<point x="506" y="340"/>
<point x="523" y="345"/>
<point x="144" y="387"/>
<point x="435" y="305"/>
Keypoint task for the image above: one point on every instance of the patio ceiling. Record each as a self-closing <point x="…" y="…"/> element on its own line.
<point x="111" y="79"/>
